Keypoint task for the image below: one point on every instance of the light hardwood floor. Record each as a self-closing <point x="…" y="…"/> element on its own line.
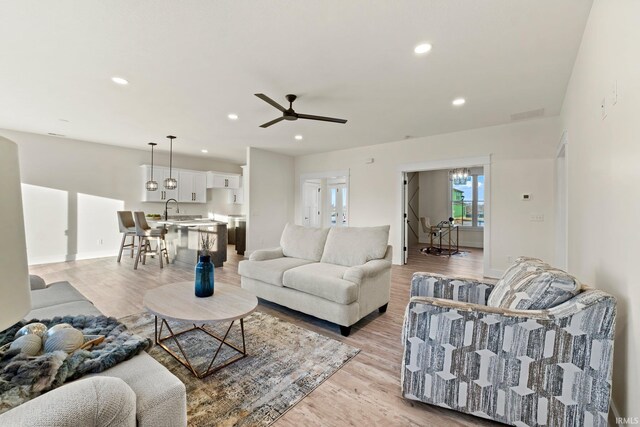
<point x="365" y="392"/>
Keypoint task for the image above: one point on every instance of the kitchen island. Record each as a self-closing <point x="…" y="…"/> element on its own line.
<point x="183" y="239"/>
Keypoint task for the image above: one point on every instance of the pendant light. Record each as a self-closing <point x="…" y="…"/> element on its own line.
<point x="171" y="183"/>
<point x="151" y="185"/>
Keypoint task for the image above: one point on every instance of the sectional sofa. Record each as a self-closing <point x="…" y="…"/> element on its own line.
<point x="338" y="274"/>
<point x="139" y="391"/>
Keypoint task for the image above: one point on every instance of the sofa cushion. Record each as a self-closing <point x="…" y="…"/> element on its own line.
<point x="54" y="294"/>
<point x="531" y="284"/>
<point x="351" y="246"/>
<point x="322" y="280"/>
<point x="303" y="242"/>
<point x="269" y="271"/>
<point x="73" y="308"/>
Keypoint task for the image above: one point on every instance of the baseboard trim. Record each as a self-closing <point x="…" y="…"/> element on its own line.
<point x="614" y="414"/>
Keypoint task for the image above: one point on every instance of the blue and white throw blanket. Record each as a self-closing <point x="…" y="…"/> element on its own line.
<point x="23" y="377"/>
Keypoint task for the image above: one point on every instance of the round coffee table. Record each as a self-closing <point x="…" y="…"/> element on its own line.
<point x="177" y="301"/>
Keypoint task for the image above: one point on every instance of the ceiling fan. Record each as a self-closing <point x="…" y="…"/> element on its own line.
<point x="289" y="114"/>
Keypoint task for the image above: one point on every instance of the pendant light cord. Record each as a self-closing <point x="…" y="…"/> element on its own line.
<point x="152" y="163"/>
<point x="170" y="156"/>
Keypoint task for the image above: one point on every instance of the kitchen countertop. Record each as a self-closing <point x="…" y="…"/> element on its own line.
<point x="191" y="223"/>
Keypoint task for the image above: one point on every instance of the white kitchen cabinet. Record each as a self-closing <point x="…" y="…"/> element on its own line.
<point x="192" y="185"/>
<point x="159" y="175"/>
<point x="236" y="195"/>
<point x="222" y="180"/>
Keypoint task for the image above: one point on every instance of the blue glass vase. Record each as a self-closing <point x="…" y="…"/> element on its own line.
<point x="204" y="277"/>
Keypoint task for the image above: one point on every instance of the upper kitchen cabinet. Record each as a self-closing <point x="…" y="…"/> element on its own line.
<point x="223" y="180"/>
<point x="192" y="185"/>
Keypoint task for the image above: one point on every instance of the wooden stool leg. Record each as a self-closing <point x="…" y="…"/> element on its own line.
<point x="135" y="265"/>
<point x="133" y="245"/>
<point x="146" y="248"/>
<point x="124" y="239"/>
<point x="159" y="251"/>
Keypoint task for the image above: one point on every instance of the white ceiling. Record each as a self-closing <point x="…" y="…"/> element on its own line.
<point x="190" y="63"/>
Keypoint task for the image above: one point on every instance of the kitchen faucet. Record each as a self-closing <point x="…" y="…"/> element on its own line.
<point x="166" y="209"/>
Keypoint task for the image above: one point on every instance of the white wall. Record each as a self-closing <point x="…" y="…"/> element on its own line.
<point x="271" y="197"/>
<point x="603" y="157"/>
<point x="72" y="190"/>
<point x="522" y="160"/>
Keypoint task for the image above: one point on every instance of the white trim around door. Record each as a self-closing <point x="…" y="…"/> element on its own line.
<point x="485" y="162"/>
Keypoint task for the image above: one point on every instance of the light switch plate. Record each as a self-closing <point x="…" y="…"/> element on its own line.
<point x="603" y="108"/>
<point x="536" y="217"/>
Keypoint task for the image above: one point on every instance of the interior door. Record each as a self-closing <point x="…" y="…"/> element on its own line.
<point x="405" y="218"/>
<point x="338" y="202"/>
<point x="311" y="204"/>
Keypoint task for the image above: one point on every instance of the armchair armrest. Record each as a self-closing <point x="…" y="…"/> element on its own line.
<point x="36" y="282"/>
<point x="266" y="254"/>
<point x="371" y="268"/>
<point x="97" y="401"/>
<point x="452" y="288"/>
<point x="528" y="359"/>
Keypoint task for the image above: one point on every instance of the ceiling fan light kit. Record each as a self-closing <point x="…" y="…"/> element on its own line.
<point x="290" y="114"/>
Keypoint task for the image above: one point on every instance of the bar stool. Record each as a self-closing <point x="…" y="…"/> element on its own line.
<point x="127" y="228"/>
<point x="145" y="233"/>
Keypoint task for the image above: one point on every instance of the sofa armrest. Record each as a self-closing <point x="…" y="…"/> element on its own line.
<point x="453" y="288"/>
<point x="266" y="254"/>
<point x="97" y="401"/>
<point x="36" y="282"/>
<point x="372" y="268"/>
<point x="454" y="345"/>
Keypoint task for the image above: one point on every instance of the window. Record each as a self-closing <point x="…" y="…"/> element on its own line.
<point x="467" y="202"/>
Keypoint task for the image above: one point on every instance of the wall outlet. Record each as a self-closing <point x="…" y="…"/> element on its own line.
<point x="536" y="217"/>
<point x="100" y="242"/>
<point x="510" y="259"/>
<point x="525" y="196"/>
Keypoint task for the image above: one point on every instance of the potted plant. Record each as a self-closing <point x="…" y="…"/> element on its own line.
<point x="204" y="282"/>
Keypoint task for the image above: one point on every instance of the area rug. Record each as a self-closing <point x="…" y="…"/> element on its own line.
<point x="424" y="251"/>
<point x="285" y="363"/>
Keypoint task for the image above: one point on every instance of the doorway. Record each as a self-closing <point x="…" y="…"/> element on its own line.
<point x="459" y="211"/>
<point x="325" y="199"/>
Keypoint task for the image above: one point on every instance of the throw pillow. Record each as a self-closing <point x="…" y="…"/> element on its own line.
<point x="531" y="284"/>
<point x="351" y="246"/>
<point x="303" y="242"/>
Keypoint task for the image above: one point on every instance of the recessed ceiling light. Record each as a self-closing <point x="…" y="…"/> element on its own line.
<point x="204" y="151"/>
<point x="422" y="48"/>
<point x="298" y="137"/>
<point x="458" y="102"/>
<point x="233" y="116"/>
<point x="120" y="80"/>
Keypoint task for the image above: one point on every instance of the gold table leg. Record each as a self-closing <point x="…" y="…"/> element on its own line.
<point x="184" y="360"/>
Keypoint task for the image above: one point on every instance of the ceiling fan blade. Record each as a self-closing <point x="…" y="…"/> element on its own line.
<point x="321" y="118"/>
<point x="268" y="100"/>
<point x="272" y="122"/>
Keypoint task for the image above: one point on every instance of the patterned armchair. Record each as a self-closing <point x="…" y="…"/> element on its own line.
<point x="547" y="367"/>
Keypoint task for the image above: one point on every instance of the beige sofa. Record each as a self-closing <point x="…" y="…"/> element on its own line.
<point x="339" y="274"/>
<point x="139" y="391"/>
